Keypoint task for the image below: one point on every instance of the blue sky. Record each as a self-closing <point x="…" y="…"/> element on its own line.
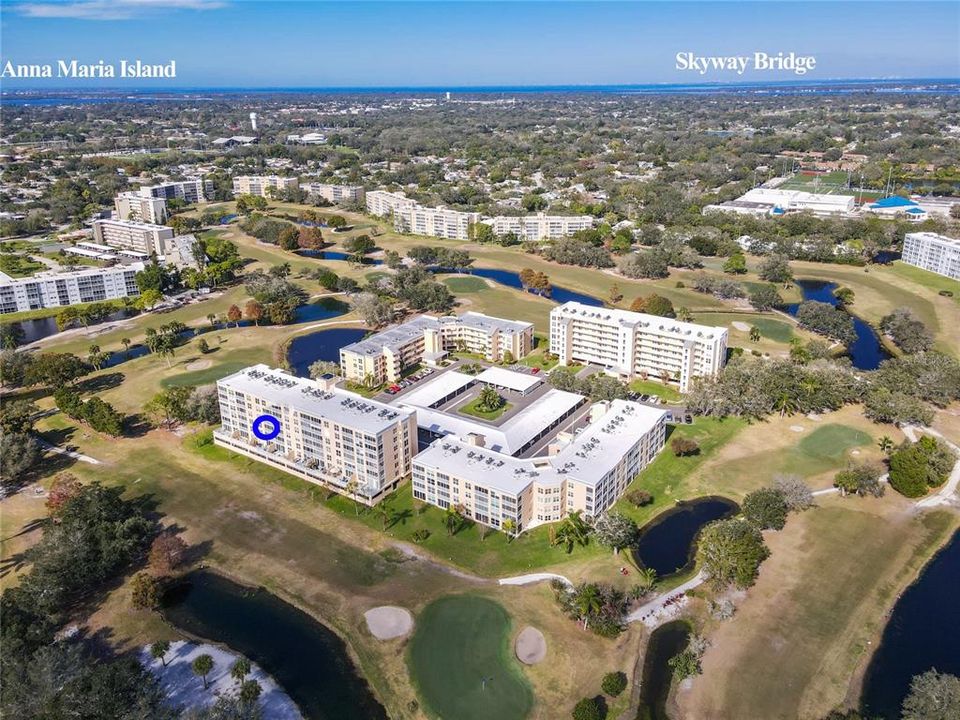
<point x="318" y="44"/>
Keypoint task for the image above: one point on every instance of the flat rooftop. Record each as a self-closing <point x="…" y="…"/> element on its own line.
<point x="308" y="397"/>
<point x="586" y="458"/>
<point x="650" y="323"/>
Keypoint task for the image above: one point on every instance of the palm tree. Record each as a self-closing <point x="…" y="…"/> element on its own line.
<point x="383" y="512"/>
<point x="159" y="651"/>
<point x="241" y="668"/>
<point x="508" y="526"/>
<point x="351" y="489"/>
<point x="202" y="665"/>
<point x="646" y="579"/>
<point x="754" y="333"/>
<point x="452" y="519"/>
<point x="785" y="404"/>
<point x="684" y="314"/>
<point x="588" y="602"/>
<point x="885" y="444"/>
<point x="126" y="345"/>
<point x="212" y="318"/>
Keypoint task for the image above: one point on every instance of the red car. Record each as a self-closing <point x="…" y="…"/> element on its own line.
<point x="535" y="370"/>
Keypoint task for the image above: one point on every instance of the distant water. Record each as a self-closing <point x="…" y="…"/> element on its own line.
<point x="88" y="96"/>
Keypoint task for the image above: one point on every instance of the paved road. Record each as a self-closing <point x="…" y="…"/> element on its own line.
<point x="652" y="613"/>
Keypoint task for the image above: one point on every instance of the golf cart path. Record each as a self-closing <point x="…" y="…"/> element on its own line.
<point x="652" y="613"/>
<point x="69" y="453"/>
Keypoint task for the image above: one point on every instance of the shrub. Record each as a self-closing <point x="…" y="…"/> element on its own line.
<point x="639" y="497"/>
<point x="682" y="446"/>
<point x="587" y="709"/>
<point x="420" y="535"/>
<point x="614" y="683"/>
<point x="685" y="664"/>
<point x="916" y="467"/>
<point x="730" y="551"/>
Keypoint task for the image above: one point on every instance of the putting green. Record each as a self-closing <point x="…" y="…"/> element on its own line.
<point x="831" y="442"/>
<point x="461" y="662"/>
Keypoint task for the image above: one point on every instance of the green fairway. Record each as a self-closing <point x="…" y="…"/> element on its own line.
<point x="831" y="442"/>
<point x="461" y="662"/>
<point x="466" y="284"/>
<point x="205" y="377"/>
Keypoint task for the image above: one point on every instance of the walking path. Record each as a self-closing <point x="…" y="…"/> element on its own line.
<point x="663" y="606"/>
<point x="69" y="453"/>
<point x="532" y="578"/>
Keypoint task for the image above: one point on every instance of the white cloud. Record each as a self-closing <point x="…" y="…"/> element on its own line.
<point x="110" y="9"/>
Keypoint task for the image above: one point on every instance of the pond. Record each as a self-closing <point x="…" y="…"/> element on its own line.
<point x="309" y="661"/>
<point x="866" y="352"/>
<point x="665" y="642"/>
<point x="668" y="544"/>
<point x="321" y="345"/>
<point x="512" y="279"/>
<point x="923" y="632"/>
<point x="336" y="255"/>
<point x="322" y="309"/>
<point x="40" y="328"/>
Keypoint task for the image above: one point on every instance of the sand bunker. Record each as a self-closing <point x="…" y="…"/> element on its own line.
<point x="742" y="326"/>
<point x="388" y="622"/>
<point x="530" y="647"/>
<point x="797" y="428"/>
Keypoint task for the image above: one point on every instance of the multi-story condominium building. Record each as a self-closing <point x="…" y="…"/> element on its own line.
<point x="336" y="194"/>
<point x="326" y="436"/>
<point x="191" y="191"/>
<point x="587" y="467"/>
<point x="383" y="357"/>
<point x="540" y="226"/>
<point x="382" y="203"/>
<point x="129" y="235"/>
<point x="933" y="252"/>
<point x="436" y="222"/>
<point x="57" y="289"/>
<point x="628" y="344"/>
<point x="141" y="208"/>
<point x="263" y="185"/>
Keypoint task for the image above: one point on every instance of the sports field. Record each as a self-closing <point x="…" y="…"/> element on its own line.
<point x="461" y="661"/>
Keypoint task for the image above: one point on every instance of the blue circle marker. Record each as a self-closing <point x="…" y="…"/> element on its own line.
<point x="274" y="427"/>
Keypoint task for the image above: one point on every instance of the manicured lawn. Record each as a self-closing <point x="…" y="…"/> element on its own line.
<point x="831" y="442"/>
<point x="472" y="408"/>
<point x="652" y="387"/>
<point x="466" y="284"/>
<point x="925" y="277"/>
<point x="19" y="265"/>
<point x="461" y="662"/>
<point x="205" y="377"/>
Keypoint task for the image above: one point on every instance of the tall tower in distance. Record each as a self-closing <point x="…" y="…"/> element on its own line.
<point x="253" y="121"/>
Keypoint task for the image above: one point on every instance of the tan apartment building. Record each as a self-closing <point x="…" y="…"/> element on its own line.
<point x="336" y="194"/>
<point x="140" y="208"/>
<point x="436" y="222"/>
<point x="326" y="436"/>
<point x="382" y="203"/>
<point x="130" y="235"/>
<point x="539" y="227"/>
<point x="383" y="357"/>
<point x="195" y="190"/>
<point x="263" y="185"/>
<point x="629" y="344"/>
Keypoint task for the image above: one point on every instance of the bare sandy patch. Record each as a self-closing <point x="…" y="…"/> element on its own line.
<point x="388" y="622"/>
<point x="197" y="365"/>
<point x="531" y="647"/>
<point x="797" y="428"/>
<point x="741" y="326"/>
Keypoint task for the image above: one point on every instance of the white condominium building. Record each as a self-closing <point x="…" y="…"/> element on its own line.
<point x="336" y="194"/>
<point x="436" y="222"/>
<point x="53" y="289"/>
<point x="141" y="208"/>
<point x="540" y="226"/>
<point x="263" y="185"/>
<point x="129" y="235"/>
<point x="382" y="203"/>
<point x="191" y="191"/>
<point x="327" y="436"/>
<point x="630" y="344"/>
<point x="587" y="467"/>
<point x="933" y="252"/>
<point x="383" y="357"/>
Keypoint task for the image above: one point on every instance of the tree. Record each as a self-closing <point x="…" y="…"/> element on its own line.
<point x="736" y="264"/>
<point x="55" y="370"/>
<point x="159" y="650"/>
<point x="933" y="696"/>
<point x="907" y="331"/>
<point x="203" y="666"/>
<point x="776" y="269"/>
<point x="685" y="664"/>
<point x="19" y="454"/>
<point x="796" y="493"/>
<point x="375" y="311"/>
<point x="65" y="488"/>
<point x="916" y="467"/>
<point x="615" y="295"/>
<point x="253" y="310"/>
<point x="613" y="683"/>
<point x="509" y="527"/>
<point x="167" y="553"/>
<point x="827" y="320"/>
<point x="145" y="591"/>
<point x="587" y="709"/>
<point x="250" y="692"/>
<point x="654" y="305"/>
<point x="240" y="669"/>
<point x="683" y="447"/>
<point x="352" y="488"/>
<point x="860" y="479"/>
<point x="766" y="509"/>
<point x="755" y="333"/>
<point x="730" y="551"/>
<point x="453" y="518"/>
<point x="149" y="298"/>
<point x="844" y="296"/>
<point x="234" y="314"/>
<point x="11" y="335"/>
<point x="16" y="416"/>
<point x="646" y="264"/>
<point x="764" y="297"/>
<point x="489" y="400"/>
<point x="885" y="444"/>
<point x="615" y="531"/>
<point x="320" y="368"/>
<point x="572" y="531"/>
